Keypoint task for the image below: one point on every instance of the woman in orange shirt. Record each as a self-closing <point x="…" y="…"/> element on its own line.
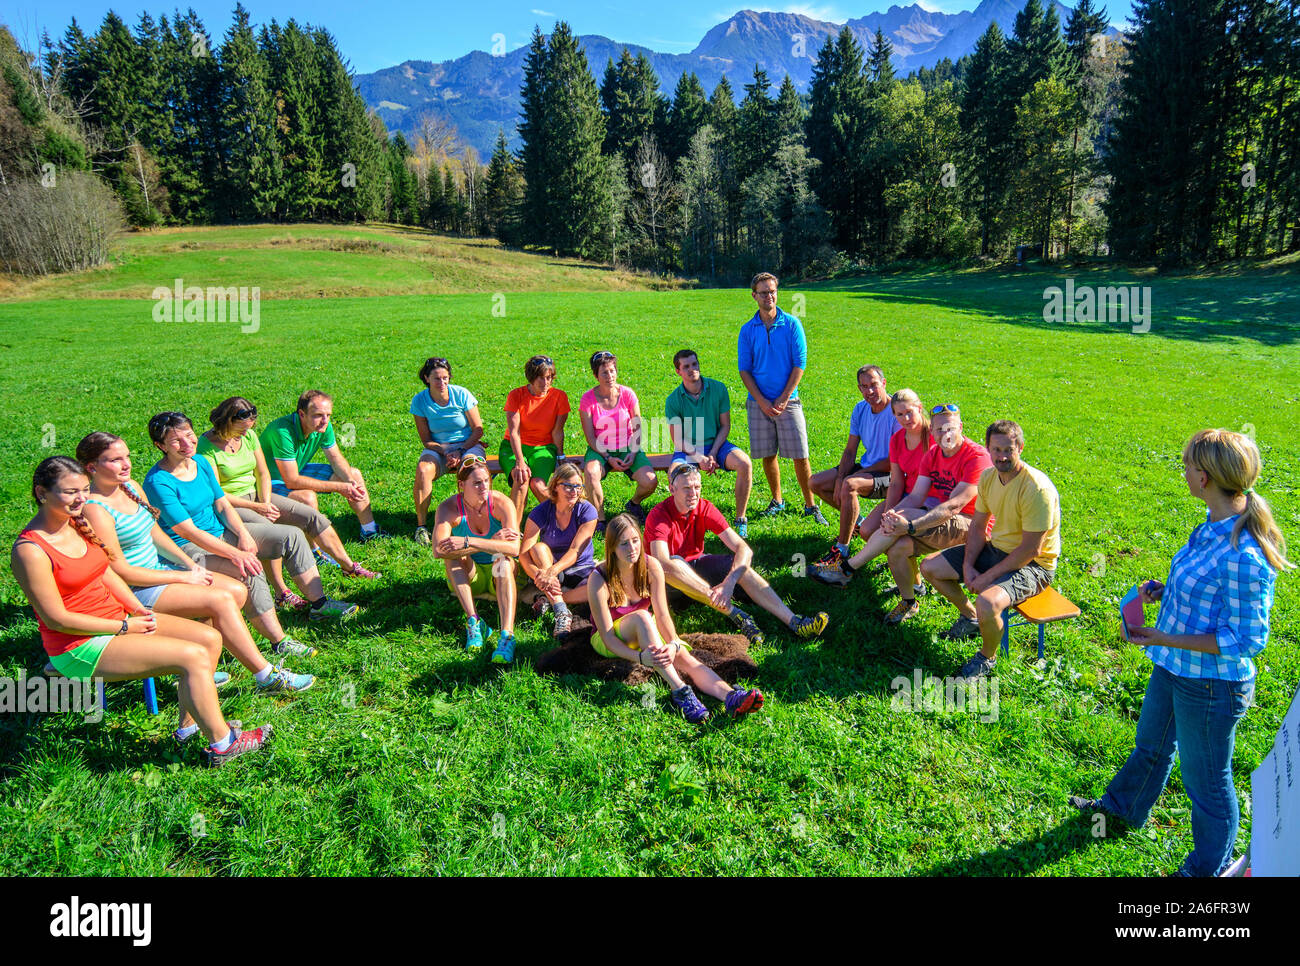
<point x="534" y="441"/>
<point x="92" y="626"/>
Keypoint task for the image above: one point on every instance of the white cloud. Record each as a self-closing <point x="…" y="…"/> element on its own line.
<point x="541" y="13"/>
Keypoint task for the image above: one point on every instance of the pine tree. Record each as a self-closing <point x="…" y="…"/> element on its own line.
<point x="880" y="69"/>
<point x="253" y="190"/>
<point x="297" y="84"/>
<point x="754" y="125"/>
<point x="689" y="113"/>
<point x="836" y="130"/>
<point x="788" y="113"/>
<point x="987" y="121"/>
<point x="632" y="104"/>
<point x="503" y="192"/>
<point x="535" y="133"/>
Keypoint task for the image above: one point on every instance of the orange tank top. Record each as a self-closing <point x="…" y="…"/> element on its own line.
<point x="80" y="581"/>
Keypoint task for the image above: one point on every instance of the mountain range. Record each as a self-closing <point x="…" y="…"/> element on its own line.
<point x="479" y="92"/>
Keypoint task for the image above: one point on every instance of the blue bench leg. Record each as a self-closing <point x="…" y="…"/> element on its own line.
<point x="150" y="696"/>
<point x="1006" y="631"/>
<point x="1041" y="629"/>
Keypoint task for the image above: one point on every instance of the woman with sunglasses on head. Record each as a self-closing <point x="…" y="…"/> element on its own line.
<point x="629" y="608"/>
<point x="232" y="448"/>
<point x="556" y="551"/>
<point x="1214" y="614"/>
<point x="92" y="626"/>
<point x="450" y="428"/>
<point x="478" y="539"/>
<point x="611" y="421"/>
<point x="534" y="441"/>
<point x="128" y="526"/>
<point x="197" y="515"/>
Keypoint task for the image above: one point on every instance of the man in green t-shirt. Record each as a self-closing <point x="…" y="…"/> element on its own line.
<point x="289" y="444"/>
<point x="699" y="419"/>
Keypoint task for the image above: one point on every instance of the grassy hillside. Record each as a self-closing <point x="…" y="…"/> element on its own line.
<point x="445" y="764"/>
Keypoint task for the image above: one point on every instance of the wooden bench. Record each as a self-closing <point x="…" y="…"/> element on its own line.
<point x="1046" y="607"/>
<point x="658" y="461"/>
<point x="150" y="689"/>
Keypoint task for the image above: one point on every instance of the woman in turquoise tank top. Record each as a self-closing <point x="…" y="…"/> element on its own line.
<point x="127" y="524"/>
<point x="478" y="539"/>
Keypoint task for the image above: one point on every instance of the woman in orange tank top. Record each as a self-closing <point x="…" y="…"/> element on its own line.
<point x="92" y="626"/>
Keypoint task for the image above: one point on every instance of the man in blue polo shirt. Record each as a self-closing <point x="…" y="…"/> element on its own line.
<point x="772" y="355"/>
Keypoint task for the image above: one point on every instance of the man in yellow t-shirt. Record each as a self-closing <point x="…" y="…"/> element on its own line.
<point x="1015" y="562"/>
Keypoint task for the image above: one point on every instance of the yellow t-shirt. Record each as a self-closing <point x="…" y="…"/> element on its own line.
<point x="1029" y="502"/>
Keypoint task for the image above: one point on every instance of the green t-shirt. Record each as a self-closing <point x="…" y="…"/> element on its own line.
<point x="283" y="440"/>
<point x="236" y="472"/>
<point x="714" y="400"/>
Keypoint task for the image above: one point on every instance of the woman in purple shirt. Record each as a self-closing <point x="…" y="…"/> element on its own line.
<point x="556" y="552"/>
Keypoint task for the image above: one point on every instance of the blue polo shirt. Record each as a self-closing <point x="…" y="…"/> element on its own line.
<point x="770" y="354"/>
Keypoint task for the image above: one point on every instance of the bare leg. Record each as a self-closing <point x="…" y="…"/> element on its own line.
<point x="739" y="463"/>
<point x="186" y="600"/>
<point x="947" y="582"/>
<point x="989" y="606"/>
<point x="503" y="571"/>
<point x="426" y="471"/>
<point x="803" y="473"/>
<point x="702" y="677"/>
<point x="129" y="657"/>
<point x="646" y="483"/>
<point x="772" y="470"/>
<point x="762" y="594"/>
<point x="595" y="492"/>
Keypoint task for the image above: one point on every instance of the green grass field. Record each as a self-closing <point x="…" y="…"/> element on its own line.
<point x="444" y="764"/>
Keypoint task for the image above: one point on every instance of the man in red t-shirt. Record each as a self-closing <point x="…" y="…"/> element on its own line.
<point x="934" y="516"/>
<point x="675" y="530"/>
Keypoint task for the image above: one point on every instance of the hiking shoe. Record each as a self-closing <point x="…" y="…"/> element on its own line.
<point x="635" y="511"/>
<point x="245" y="741"/>
<point x="831" y="558"/>
<point x="476" y="634"/>
<point x="903" y="610"/>
<point x="422" y="537"/>
<point x="745" y="624"/>
<point x="834" y="575"/>
<point x="322" y="558"/>
<point x="292" y="601"/>
<point x="918" y="590"/>
<point x="180" y="741"/>
<point x="296" y="648"/>
<point x="743" y="701"/>
<point x="773" y="509"/>
<point x="540" y="606"/>
<point x="816" y="513"/>
<point x="978" y="666"/>
<point x="360" y="571"/>
<point x="563" y="624"/>
<point x="333" y="608"/>
<point x="375" y="534"/>
<point x="962" y="629"/>
<point x="285" y="680"/>
<point x="505" y="652"/>
<point x="809" y="627"/>
<point x="741" y="526"/>
<point x="686" y="701"/>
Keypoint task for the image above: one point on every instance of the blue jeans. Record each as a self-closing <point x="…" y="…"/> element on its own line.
<point x="1197" y="717"/>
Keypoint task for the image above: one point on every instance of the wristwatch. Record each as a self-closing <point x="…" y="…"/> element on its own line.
<point x="124" y="625"/>
<point x="911" y="528"/>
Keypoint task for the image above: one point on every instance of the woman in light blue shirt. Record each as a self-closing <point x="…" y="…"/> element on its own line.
<point x="1214" y="612"/>
<point x="449" y="426"/>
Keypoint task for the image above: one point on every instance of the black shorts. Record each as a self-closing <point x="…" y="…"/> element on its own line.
<point x="1020" y="584"/>
<point x="712" y="568"/>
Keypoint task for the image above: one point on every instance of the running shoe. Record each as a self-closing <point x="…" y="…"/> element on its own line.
<point x="505" y="652"/>
<point x="834" y="575"/>
<point x="816" y="513"/>
<point x="741" y="526"/>
<point x="245" y="741"/>
<point x="341" y="609"/>
<point x="807" y="627"/>
<point x="686" y="701"/>
<point x="422" y="537"/>
<point x="375" y="535"/>
<point x="773" y="509"/>
<point x="283" y="680"/>
<point x="220" y="679"/>
<point x="745" y="624"/>
<point x="476" y="634"/>
<point x="360" y="571"/>
<point x="962" y="629"/>
<point x="322" y="558"/>
<point x="291" y="601"/>
<point x="903" y="610"/>
<point x="563" y="624"/>
<point x="743" y="701"/>
<point x="831" y="558"/>
<point x="180" y="741"/>
<point x="978" y="666"/>
<point x="296" y="648"/>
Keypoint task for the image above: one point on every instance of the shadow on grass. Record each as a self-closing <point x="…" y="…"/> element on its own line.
<point x="1023" y="858"/>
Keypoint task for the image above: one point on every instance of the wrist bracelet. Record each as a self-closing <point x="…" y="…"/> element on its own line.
<point x="123" y="630"/>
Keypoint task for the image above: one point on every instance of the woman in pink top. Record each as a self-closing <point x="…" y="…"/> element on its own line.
<point x="611" y="421"/>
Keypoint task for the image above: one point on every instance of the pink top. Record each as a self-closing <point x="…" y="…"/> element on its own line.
<point x="613" y="426"/>
<point x="908" y="460"/>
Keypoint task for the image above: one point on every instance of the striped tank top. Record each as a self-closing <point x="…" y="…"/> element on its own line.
<point x="135" y="534"/>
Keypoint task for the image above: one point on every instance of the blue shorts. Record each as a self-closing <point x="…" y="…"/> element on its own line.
<point x="149" y="595"/>
<point x="315" y="471"/>
<point x="723" y="452"/>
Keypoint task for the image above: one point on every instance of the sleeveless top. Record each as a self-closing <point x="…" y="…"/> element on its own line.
<point x="80" y="581"/>
<point x="462" y="529"/>
<point x="624" y="609"/>
<point x="134" y="535"/>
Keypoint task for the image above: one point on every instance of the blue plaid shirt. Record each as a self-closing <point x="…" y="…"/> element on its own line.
<point x="1214" y="589"/>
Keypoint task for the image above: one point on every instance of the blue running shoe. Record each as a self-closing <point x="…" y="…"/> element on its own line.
<point x="505" y="652"/>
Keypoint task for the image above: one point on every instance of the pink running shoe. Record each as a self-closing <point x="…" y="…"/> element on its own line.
<point x="291" y="600"/>
<point x="245" y="741"/>
<point x="360" y="571"/>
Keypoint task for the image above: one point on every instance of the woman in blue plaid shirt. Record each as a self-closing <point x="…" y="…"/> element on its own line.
<point x="1213" y="620"/>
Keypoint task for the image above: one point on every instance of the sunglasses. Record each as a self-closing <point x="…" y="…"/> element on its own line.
<point x="165" y="420"/>
<point x="572" y="487"/>
<point x="246" y="413"/>
<point x="949" y="408"/>
<point x="472" y="460"/>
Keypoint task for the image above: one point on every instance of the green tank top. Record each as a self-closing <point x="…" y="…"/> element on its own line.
<point x="462" y="529"/>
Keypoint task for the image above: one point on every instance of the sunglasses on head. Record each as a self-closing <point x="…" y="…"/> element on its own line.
<point x="165" y="420"/>
<point x="471" y="460"/>
<point x="949" y="408"/>
<point x="250" y="413"/>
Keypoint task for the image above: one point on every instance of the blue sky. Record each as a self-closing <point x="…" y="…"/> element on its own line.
<point x="381" y="33"/>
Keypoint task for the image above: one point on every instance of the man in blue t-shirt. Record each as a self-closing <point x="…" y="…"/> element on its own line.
<point x="772" y="354"/>
<point x="871" y="425"/>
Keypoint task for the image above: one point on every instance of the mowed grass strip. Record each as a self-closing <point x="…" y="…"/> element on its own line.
<point x="409" y="757"/>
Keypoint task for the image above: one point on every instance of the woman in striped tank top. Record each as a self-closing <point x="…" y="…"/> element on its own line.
<point x="128" y="525"/>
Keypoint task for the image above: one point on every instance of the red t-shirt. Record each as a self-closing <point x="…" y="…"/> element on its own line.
<point x="908" y="460"/>
<point x="684" y="535"/>
<point x="964" y="466"/>
<point x="537" y="414"/>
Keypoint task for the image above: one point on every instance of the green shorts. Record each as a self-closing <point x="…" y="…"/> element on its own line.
<point x="540" y="459"/>
<point x="639" y="459"/>
<point x="599" y="647"/>
<point x="482" y="585"/>
<point x="82" y="660"/>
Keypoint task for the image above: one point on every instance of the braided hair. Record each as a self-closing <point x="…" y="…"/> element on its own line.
<point x="48" y="473"/>
<point x="92" y="447"/>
